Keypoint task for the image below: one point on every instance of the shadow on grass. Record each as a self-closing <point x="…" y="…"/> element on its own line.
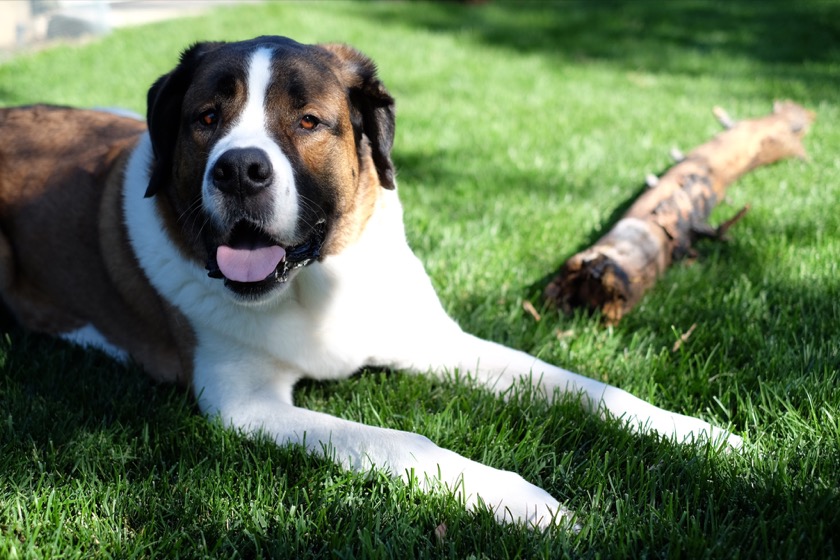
<point x="136" y="447"/>
<point x="102" y="439"/>
<point x="656" y="37"/>
<point x="763" y="331"/>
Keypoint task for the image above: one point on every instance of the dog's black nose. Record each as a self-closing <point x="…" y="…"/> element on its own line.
<point x="242" y="171"/>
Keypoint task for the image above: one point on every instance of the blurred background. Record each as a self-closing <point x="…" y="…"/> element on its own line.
<point x="27" y="24"/>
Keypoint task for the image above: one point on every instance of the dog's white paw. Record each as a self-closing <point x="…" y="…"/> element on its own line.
<point x="642" y="416"/>
<point x="512" y="499"/>
<point x="687" y="429"/>
<point x="522" y="503"/>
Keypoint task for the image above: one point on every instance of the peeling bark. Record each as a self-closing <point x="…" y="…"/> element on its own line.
<point x="665" y="221"/>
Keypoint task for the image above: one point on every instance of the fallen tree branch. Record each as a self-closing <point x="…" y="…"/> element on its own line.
<point x="663" y="223"/>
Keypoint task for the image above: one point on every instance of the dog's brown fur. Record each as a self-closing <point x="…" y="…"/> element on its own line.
<point x="61" y="173"/>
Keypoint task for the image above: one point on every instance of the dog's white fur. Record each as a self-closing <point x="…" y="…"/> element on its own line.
<point x="89" y="336"/>
<point x="250" y="355"/>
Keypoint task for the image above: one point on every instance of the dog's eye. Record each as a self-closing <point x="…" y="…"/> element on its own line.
<point x="309" y="122"/>
<point x="209" y="118"/>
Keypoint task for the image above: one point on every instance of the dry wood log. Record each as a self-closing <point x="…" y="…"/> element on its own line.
<point x="663" y="223"/>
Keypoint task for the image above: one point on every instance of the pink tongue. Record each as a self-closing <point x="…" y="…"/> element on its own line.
<point x="248" y="265"/>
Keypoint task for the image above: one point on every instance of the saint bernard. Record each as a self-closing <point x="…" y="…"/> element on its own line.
<point x="249" y="235"/>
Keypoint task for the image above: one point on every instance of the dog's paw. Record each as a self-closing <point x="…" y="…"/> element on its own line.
<point x="514" y="500"/>
<point x="510" y="498"/>
<point x="687" y="429"/>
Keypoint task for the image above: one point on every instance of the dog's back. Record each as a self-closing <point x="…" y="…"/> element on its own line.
<point x="61" y="173"/>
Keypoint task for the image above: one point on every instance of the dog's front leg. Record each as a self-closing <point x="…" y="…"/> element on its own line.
<point x="499" y="368"/>
<point x="256" y="401"/>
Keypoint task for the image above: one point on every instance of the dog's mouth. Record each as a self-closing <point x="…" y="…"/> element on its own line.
<point x="251" y="262"/>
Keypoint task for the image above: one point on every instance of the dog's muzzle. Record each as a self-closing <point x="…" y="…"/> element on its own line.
<point x="249" y="259"/>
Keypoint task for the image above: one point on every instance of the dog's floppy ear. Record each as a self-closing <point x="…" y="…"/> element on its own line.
<point x="163" y="113"/>
<point x="373" y="105"/>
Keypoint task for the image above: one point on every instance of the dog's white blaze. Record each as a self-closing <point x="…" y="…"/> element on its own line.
<point x="250" y="131"/>
<point x="90" y="337"/>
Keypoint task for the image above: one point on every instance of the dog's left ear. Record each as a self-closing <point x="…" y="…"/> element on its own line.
<point x="163" y="113"/>
<point x="372" y="104"/>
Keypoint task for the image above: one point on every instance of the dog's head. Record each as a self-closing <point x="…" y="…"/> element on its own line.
<point x="268" y="154"/>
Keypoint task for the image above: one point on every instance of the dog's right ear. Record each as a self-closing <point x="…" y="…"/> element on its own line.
<point x="163" y="112"/>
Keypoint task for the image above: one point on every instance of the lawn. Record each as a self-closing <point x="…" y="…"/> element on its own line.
<point x="522" y="128"/>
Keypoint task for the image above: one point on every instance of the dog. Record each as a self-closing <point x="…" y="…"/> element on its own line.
<point x="248" y="235"/>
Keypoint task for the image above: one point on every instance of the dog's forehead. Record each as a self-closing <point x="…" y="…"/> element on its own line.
<point x="295" y="69"/>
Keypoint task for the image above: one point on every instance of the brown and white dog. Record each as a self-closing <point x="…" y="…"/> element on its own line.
<point x="253" y="237"/>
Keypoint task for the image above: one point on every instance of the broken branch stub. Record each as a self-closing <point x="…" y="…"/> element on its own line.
<point x="663" y="223"/>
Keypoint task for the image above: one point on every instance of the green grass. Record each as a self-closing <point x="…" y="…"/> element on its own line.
<point x="521" y="129"/>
